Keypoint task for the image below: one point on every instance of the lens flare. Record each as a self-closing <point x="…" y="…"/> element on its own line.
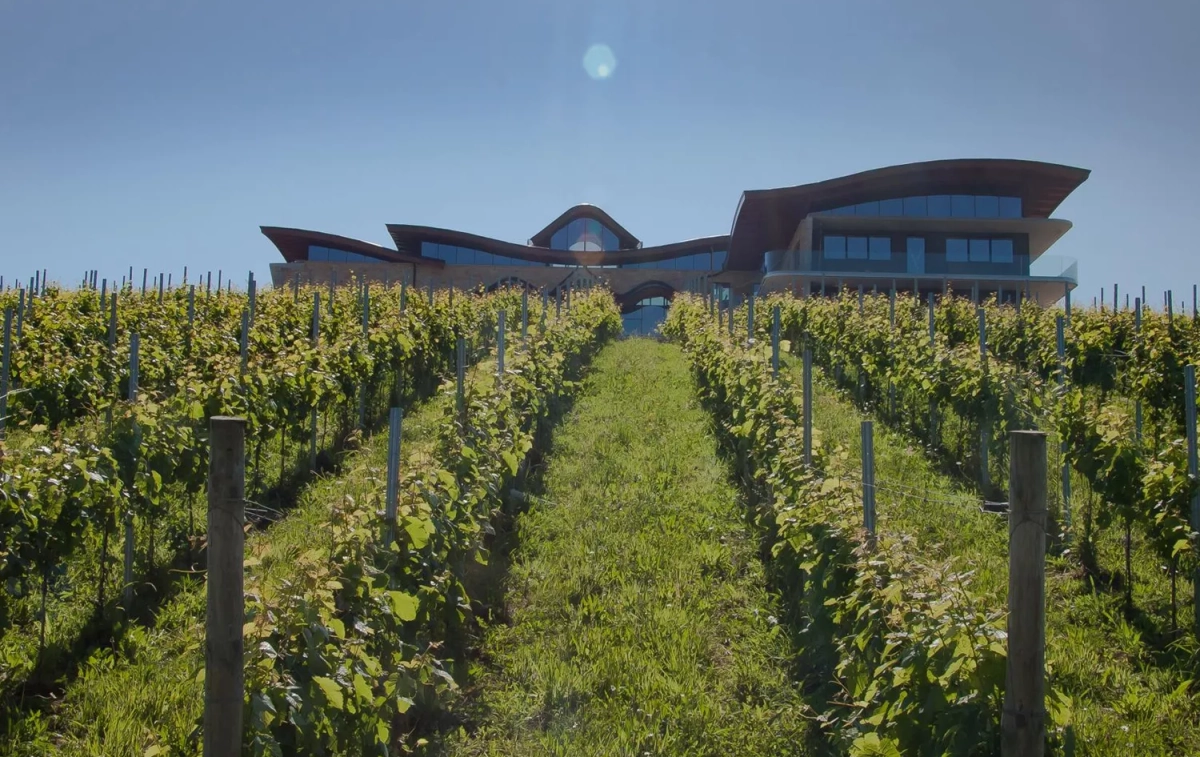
<point x="599" y="61"/>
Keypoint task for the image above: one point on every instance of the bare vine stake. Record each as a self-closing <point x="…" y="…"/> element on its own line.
<point x="366" y="326"/>
<point x="133" y="390"/>
<point x="5" y="359"/>
<point x="403" y="295"/>
<point x="145" y="273"/>
<point x="393" y="473"/>
<point x="868" y="476"/>
<point x="223" y="672"/>
<point x="1023" y="722"/>
<point x="524" y="315"/>
<point x="245" y="340"/>
<point x="1059" y="326"/>
<point x="750" y="318"/>
<point x="160" y="288"/>
<point x="316" y="341"/>
<point x="1116" y="303"/>
<point x="933" y="347"/>
<point x="431" y="293"/>
<point x="545" y="309"/>
<point x="808" y="413"/>
<point x="460" y="377"/>
<point x="500" y="348"/>
<point x="775" y="342"/>
<point x="1189" y="390"/>
<point x="731" y="307"/>
<point x="985" y="423"/>
<point x="251" y="292"/>
<point x="1067" y="289"/>
<point x="103" y="293"/>
<point x="20" y="311"/>
<point x="191" y="316"/>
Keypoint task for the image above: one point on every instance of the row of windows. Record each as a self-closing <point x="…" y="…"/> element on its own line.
<point x="466" y="256"/>
<point x="837" y="247"/>
<point x="701" y="261"/>
<point x="584" y="235"/>
<point x="316" y="252"/>
<point x="979" y="251"/>
<point x="646" y="319"/>
<point x="935" y="206"/>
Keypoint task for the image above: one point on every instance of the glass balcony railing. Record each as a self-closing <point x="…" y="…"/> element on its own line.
<point x="899" y="265"/>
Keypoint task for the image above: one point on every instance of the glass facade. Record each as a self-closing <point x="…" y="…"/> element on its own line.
<point x="646" y="319"/>
<point x="328" y="254"/>
<point x="701" y="261"/>
<point x="979" y="251"/>
<point x="935" y="206"/>
<point x="584" y="235"/>
<point x="466" y="256"/>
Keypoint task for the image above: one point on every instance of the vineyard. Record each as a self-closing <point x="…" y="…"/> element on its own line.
<point x="680" y="562"/>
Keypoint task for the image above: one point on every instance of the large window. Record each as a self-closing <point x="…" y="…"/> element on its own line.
<point x="700" y="261"/>
<point x="646" y="319"/>
<point x="856" y="248"/>
<point x="454" y="255"/>
<point x="935" y="206"/>
<point x="328" y="254"/>
<point x="835" y="248"/>
<point x="979" y="251"/>
<point x="880" y="248"/>
<point x="584" y="235"/>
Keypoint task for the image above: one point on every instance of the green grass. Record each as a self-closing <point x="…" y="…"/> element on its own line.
<point x="149" y="690"/>
<point x="1125" y="693"/>
<point x="640" y="619"/>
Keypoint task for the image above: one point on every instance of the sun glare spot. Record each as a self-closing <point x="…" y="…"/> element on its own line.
<point x="599" y="61"/>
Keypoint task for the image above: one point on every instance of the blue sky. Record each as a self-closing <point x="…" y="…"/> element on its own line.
<point x="162" y="134"/>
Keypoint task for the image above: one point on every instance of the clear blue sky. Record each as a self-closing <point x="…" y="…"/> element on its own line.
<point x="163" y="133"/>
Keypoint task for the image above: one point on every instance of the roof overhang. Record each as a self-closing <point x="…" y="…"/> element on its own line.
<point x="293" y="245"/>
<point x="584" y="210"/>
<point x="767" y="218"/>
<point x="409" y="239"/>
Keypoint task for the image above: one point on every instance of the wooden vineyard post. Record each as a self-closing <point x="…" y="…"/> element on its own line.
<point x="251" y="293"/>
<point x="191" y="316"/>
<point x="1189" y="393"/>
<point x="1059" y="325"/>
<point x="500" y="348"/>
<point x="145" y="273"/>
<point x="775" y="342"/>
<point x="1023" y="722"/>
<point x="395" y="418"/>
<point x="732" y="308"/>
<point x="5" y="361"/>
<point x="365" y="301"/>
<point x="808" y="413"/>
<point x="750" y="318"/>
<point x="868" y="477"/>
<point x="403" y="294"/>
<point x="20" y="311"/>
<point x="460" y="373"/>
<point x="244" y="342"/>
<point x="312" y="419"/>
<point x="524" y="315"/>
<point x="133" y="390"/>
<point x="932" y="348"/>
<point x="1067" y="290"/>
<point x="712" y="302"/>
<point x="545" y="310"/>
<point x="223" y="683"/>
<point x="431" y="293"/>
<point x="985" y="423"/>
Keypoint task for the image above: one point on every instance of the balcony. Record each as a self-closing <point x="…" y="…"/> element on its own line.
<point x="1049" y="268"/>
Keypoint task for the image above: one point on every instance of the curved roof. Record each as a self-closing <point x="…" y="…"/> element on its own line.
<point x="766" y="219"/>
<point x="293" y="245"/>
<point x="408" y="240"/>
<point x="584" y="210"/>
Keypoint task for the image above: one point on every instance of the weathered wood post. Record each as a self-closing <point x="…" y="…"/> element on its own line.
<point x="985" y="423"/>
<point x="1065" y="473"/>
<point x="500" y="347"/>
<point x="134" y="342"/>
<point x="223" y="684"/>
<point x="395" y="418"/>
<point x="5" y="359"/>
<point x="868" y="476"/>
<point x="1023" y="722"/>
<point x="775" y="342"/>
<point x="1189" y="393"/>
<point x="808" y="413"/>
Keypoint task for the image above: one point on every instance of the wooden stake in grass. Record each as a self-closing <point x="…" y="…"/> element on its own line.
<point x="1023" y="723"/>
<point x="223" y="683"/>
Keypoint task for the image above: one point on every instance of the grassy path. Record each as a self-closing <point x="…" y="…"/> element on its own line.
<point x="1123" y="700"/>
<point x="641" y="624"/>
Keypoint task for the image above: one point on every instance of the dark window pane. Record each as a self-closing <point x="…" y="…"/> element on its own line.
<point x="987" y="206"/>
<point x="916" y="245"/>
<point x="575" y="235"/>
<point x="962" y="206"/>
<point x="880" y="248"/>
<point x="866" y="209"/>
<point x="425" y="249"/>
<point x="835" y="247"/>
<point x="718" y="260"/>
<point x="484" y="258"/>
<point x="979" y="251"/>
<point x="559" y="240"/>
<point x="1002" y="251"/>
<point x="609" y="240"/>
<point x="956" y="250"/>
<point x="458" y="255"/>
<point x="1010" y="207"/>
<point x="917" y="207"/>
<point x="891" y="207"/>
<point x="939" y="206"/>
<point x="856" y="248"/>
